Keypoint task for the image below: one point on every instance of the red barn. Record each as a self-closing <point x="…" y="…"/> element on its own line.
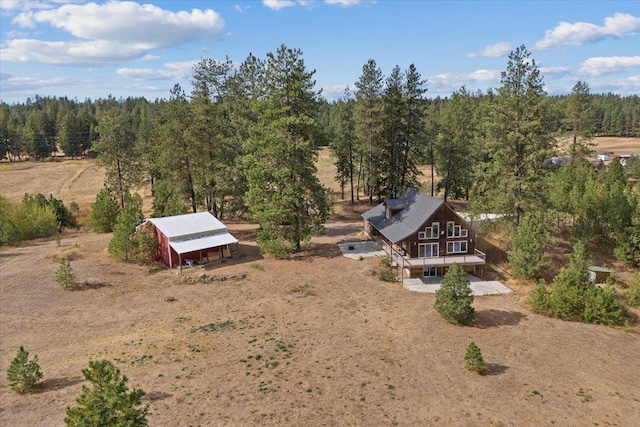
<point x="184" y="239"/>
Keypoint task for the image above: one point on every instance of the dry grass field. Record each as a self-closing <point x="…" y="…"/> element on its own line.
<point x="315" y="339"/>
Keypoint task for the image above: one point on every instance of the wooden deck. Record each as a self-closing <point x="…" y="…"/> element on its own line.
<point x="479" y="258"/>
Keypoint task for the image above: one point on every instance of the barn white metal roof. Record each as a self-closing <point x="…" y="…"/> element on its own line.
<point x="205" y="242"/>
<point x="191" y="224"/>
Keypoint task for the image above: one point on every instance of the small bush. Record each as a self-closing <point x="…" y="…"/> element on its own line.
<point x="632" y="295"/>
<point x="386" y="272"/>
<point x="23" y="374"/>
<point x="65" y="277"/>
<point x="539" y="298"/>
<point x="601" y="306"/>
<point x="473" y="359"/>
<point x="104" y="211"/>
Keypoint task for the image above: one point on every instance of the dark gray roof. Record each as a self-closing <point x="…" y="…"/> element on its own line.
<point x="416" y="208"/>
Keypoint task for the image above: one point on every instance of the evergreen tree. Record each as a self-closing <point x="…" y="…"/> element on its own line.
<point x="580" y="122"/>
<point x="454" y="299"/>
<point x="23" y="374"/>
<point x="527" y="257"/>
<point x="176" y="151"/>
<point x="368" y="115"/>
<point x="116" y="150"/>
<point x="284" y="193"/>
<point x="519" y="138"/>
<point x="454" y="154"/>
<point x="65" y="277"/>
<point x="344" y="145"/>
<point x="108" y="402"/>
<point x="123" y="245"/>
<point x="104" y="211"/>
<point x="473" y="359"/>
<point x="414" y="132"/>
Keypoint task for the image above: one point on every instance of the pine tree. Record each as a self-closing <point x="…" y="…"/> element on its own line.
<point x="23" y="374"/>
<point x="108" y="402"/>
<point x="368" y="115"/>
<point x="527" y="257"/>
<point x="454" y="299"/>
<point x="104" y="211"/>
<point x="473" y="359"/>
<point x="518" y="138"/>
<point x="580" y="122"/>
<point x="343" y="146"/>
<point x="65" y="277"/>
<point x="454" y="152"/>
<point x="284" y="193"/>
<point x="117" y="151"/>
<point x="123" y="245"/>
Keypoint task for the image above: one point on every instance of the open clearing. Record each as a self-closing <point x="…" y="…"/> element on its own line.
<point x="314" y="339"/>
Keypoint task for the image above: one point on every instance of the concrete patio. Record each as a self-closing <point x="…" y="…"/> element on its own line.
<point x="479" y="287"/>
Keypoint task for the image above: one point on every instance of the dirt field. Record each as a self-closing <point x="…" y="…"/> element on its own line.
<point x="311" y="340"/>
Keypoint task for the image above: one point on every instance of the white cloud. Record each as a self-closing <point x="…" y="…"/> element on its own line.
<point x="579" y="33"/>
<point x="333" y="93"/>
<point x="483" y="76"/>
<point x="278" y="4"/>
<point x="343" y="3"/>
<point x="172" y="71"/>
<point x="110" y="33"/>
<point x="608" y="64"/>
<point x="494" y="50"/>
<point x="12" y="5"/>
<point x="445" y="84"/>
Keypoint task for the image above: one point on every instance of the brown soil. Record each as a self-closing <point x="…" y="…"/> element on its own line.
<point x="314" y="339"/>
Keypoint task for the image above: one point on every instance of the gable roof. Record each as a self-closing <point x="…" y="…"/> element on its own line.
<point x="415" y="208"/>
<point x="181" y="226"/>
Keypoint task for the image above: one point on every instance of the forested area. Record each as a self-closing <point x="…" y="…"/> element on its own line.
<point x="244" y="143"/>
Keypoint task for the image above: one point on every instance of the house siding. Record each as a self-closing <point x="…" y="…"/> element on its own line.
<point x="443" y="215"/>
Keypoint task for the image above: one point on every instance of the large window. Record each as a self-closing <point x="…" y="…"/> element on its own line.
<point x="430" y="232"/>
<point x="428" y="250"/>
<point x="457" y="247"/>
<point x="454" y="230"/>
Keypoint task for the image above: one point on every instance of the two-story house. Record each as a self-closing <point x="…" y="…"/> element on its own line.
<point x="423" y="235"/>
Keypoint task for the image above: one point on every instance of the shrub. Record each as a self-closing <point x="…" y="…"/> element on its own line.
<point x="473" y="359"/>
<point x="386" y="272"/>
<point x="23" y="374"/>
<point x="539" y="298"/>
<point x="601" y="306"/>
<point x="454" y="298"/>
<point x="632" y="295"/>
<point x="65" y="277"/>
<point x="107" y="402"/>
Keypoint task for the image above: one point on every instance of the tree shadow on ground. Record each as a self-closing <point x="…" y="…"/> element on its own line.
<point x="493" y="318"/>
<point x="55" y="384"/>
<point x="154" y="396"/>
<point x="87" y="286"/>
<point x="494" y="369"/>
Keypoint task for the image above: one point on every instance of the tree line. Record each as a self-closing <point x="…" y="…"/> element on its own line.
<point x="243" y="142"/>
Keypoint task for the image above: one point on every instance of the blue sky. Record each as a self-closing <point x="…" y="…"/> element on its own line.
<point x="94" y="49"/>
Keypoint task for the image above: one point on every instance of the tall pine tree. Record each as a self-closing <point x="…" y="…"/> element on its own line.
<point x="284" y="193"/>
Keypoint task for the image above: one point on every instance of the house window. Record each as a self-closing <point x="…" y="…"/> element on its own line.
<point x="428" y="250"/>
<point x="429" y="272"/>
<point x="454" y="230"/>
<point x="457" y="247"/>
<point x="430" y="232"/>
